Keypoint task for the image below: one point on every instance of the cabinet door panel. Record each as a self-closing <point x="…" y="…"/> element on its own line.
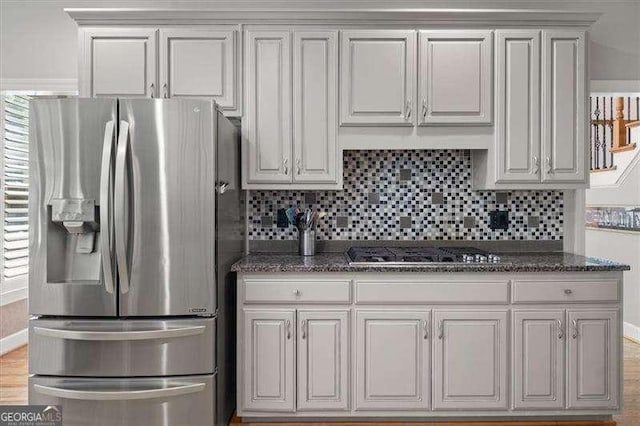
<point x="539" y="340"/>
<point x="470" y="365"/>
<point x="455" y="77"/>
<point x="518" y="106"/>
<point x="269" y="364"/>
<point x="593" y="359"/>
<point x="315" y="68"/>
<point x="392" y="360"/>
<point x="267" y="125"/>
<point x="323" y="360"/>
<point x="199" y="62"/>
<point x="119" y="62"/>
<point x="563" y="106"/>
<point x="377" y="77"/>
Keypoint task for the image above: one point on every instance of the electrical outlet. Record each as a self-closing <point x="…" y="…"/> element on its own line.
<point x="282" y="220"/>
<point x="499" y="219"/>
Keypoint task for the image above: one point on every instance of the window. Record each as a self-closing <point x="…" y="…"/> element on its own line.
<point x="15" y="188"/>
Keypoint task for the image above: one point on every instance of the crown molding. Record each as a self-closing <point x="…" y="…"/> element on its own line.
<point x="261" y="15"/>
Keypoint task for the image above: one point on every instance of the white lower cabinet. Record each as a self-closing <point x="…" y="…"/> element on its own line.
<point x="340" y="345"/>
<point x="392" y="360"/>
<point x="323" y="365"/>
<point x="538" y="359"/>
<point x="470" y="360"/>
<point x="593" y="361"/>
<point x="268" y="360"/>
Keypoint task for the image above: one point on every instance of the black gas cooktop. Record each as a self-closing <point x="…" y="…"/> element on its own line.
<point x="418" y="255"/>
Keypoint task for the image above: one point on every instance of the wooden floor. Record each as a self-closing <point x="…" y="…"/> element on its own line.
<point x="13" y="390"/>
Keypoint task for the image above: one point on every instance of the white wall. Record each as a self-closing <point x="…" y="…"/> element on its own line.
<point x="38" y="39"/>
<point x="620" y="246"/>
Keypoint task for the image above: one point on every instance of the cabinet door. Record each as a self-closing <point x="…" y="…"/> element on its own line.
<point x="323" y="360"/>
<point x="269" y="364"/>
<point x="199" y="62"/>
<point x="538" y="356"/>
<point x="563" y="105"/>
<point x="377" y="77"/>
<point x="392" y="360"/>
<point x="455" y="77"/>
<point x="518" y="106"/>
<point x="594" y="368"/>
<point x="267" y="143"/>
<point x="119" y="62"/>
<point x="315" y="105"/>
<point x="470" y="365"/>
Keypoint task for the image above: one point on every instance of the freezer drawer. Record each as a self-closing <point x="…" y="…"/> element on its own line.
<point x="122" y="348"/>
<point x="128" y="402"/>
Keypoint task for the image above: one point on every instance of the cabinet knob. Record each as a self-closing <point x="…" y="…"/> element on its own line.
<point x="165" y="91"/>
<point x="303" y="329"/>
<point x="536" y="164"/>
<point x="574" y="325"/>
<point x="441" y="329"/>
<point x="151" y="90"/>
<point x="288" y="327"/>
<point x="568" y="291"/>
<point x="296" y="292"/>
<point x="425" y="327"/>
<point x="298" y="166"/>
<point x="285" y="166"/>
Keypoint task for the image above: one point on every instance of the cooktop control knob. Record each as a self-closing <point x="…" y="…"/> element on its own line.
<point x="468" y="258"/>
<point x="494" y="258"/>
<point x="480" y="258"/>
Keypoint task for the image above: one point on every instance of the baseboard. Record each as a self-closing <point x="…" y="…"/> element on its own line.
<point x="13" y="341"/>
<point x="631" y="331"/>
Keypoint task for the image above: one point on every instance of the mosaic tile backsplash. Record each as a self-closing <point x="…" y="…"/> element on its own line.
<point x="410" y="195"/>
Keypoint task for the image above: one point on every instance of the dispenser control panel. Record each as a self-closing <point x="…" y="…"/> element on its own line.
<point x="72" y="210"/>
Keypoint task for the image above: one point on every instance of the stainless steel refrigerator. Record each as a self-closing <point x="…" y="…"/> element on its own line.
<point x="135" y="218"/>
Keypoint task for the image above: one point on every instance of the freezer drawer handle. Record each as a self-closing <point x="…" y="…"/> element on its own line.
<point x="119" y="395"/>
<point x="119" y="335"/>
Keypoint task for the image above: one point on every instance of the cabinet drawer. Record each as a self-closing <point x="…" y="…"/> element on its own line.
<point x="431" y="292"/>
<point x="565" y="291"/>
<point x="261" y="290"/>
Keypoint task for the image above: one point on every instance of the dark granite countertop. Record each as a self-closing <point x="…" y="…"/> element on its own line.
<point x="514" y="262"/>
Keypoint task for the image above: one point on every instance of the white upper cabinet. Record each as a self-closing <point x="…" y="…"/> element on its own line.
<point x="518" y="106"/>
<point x="118" y="62"/>
<point x="563" y="105"/>
<point x="200" y="63"/>
<point x="470" y="360"/>
<point x="377" y="77"/>
<point x="267" y="138"/>
<point x="538" y="342"/>
<point x="455" y="77"/>
<point x="392" y="360"/>
<point x="593" y="361"/>
<point x="315" y="105"/>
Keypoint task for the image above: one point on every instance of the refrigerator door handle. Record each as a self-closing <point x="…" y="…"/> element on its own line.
<point x="105" y="207"/>
<point x="119" y="204"/>
<point x="119" y="335"/>
<point x="88" y="395"/>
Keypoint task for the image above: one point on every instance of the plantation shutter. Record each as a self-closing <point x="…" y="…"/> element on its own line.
<point x="15" y="186"/>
